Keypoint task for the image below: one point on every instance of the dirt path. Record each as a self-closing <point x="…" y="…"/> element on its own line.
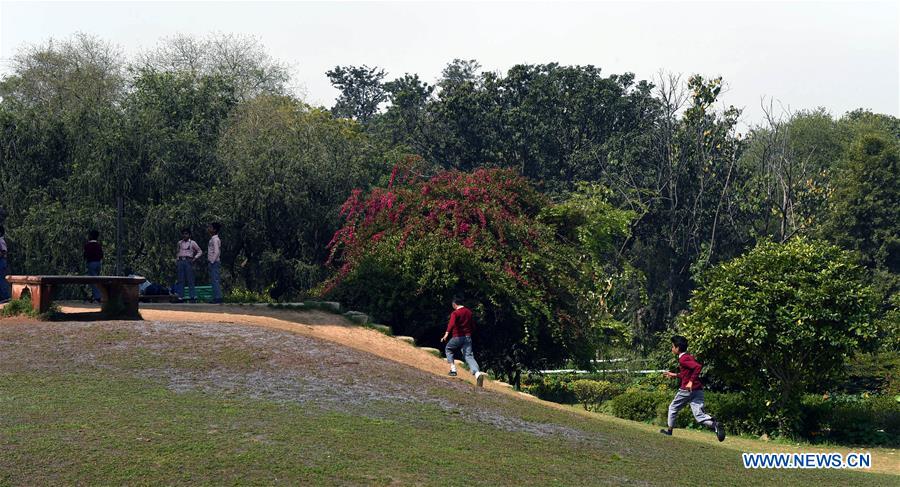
<point x="318" y="324"/>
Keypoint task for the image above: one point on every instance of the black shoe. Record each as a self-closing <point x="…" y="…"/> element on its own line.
<point x="720" y="430"/>
<point x="666" y="432"/>
<point x="452" y="373"/>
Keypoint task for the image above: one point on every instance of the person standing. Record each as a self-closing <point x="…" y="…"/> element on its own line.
<point x="690" y="390"/>
<point x="93" y="258"/>
<point x="188" y="253"/>
<point x="459" y="330"/>
<point x="213" y="255"/>
<point x="4" y="268"/>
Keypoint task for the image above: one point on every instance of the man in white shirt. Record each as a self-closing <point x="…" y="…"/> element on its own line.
<point x="188" y="253"/>
<point x="213" y="255"/>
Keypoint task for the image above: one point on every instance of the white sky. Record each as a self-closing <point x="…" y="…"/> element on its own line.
<point x="803" y="54"/>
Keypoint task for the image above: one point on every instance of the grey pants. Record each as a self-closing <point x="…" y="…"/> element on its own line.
<point x="685" y="397"/>
<point x="463" y="344"/>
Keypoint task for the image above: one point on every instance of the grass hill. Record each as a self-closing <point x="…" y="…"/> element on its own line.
<point x="227" y="395"/>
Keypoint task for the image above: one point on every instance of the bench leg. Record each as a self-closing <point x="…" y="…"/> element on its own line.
<point x="17" y="290"/>
<point x="114" y="294"/>
<point x="40" y="295"/>
<point x="104" y="293"/>
<point x="131" y="295"/>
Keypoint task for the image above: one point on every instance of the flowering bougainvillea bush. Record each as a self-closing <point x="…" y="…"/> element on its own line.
<point x="406" y="249"/>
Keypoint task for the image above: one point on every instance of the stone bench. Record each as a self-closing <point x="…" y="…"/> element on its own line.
<point x="113" y="289"/>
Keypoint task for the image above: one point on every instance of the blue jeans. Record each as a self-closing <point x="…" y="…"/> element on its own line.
<point x="4" y="286"/>
<point x="186" y="275"/>
<point x="214" y="280"/>
<point x="93" y="269"/>
<point x="464" y="344"/>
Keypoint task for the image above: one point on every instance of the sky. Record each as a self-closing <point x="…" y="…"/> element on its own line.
<point x="798" y="55"/>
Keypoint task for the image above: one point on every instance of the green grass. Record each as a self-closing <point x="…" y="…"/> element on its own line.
<point x="103" y="421"/>
<point x="94" y="427"/>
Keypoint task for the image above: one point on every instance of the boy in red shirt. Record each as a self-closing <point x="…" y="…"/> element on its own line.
<point x="460" y="328"/>
<point x="690" y="390"/>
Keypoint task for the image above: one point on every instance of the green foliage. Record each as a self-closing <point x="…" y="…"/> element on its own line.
<point x="408" y="248"/>
<point x="361" y="90"/>
<point x="863" y="205"/>
<point x="240" y="294"/>
<point x="17" y="307"/>
<point x="781" y="320"/>
<point x="872" y="373"/>
<point x="185" y="140"/>
<point x="288" y="168"/>
<point x="864" y="420"/>
<point x="592" y="393"/>
<point x="556" y="388"/>
<point x="638" y="405"/>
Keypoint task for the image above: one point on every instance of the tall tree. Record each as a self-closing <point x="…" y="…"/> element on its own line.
<point x="240" y="60"/>
<point x="362" y="91"/>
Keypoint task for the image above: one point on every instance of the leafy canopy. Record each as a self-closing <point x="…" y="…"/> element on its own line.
<point x="781" y="320"/>
<point x="406" y="249"/>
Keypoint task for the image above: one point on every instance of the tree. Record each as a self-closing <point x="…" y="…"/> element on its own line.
<point x="287" y="169"/>
<point x="403" y="121"/>
<point x="407" y="248"/>
<point x="459" y="71"/>
<point x="789" y="163"/>
<point x="362" y="91"/>
<point x="240" y="60"/>
<point x="864" y="204"/>
<point x="62" y="131"/>
<point x="781" y="320"/>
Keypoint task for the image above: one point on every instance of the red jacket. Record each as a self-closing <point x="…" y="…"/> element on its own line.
<point x="461" y="322"/>
<point x="689" y="371"/>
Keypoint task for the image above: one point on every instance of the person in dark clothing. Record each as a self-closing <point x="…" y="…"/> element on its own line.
<point x="459" y="331"/>
<point x="4" y="268"/>
<point x="690" y="390"/>
<point x="93" y="258"/>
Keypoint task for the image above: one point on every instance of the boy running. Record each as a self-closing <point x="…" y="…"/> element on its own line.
<point x="460" y="328"/>
<point x="690" y="390"/>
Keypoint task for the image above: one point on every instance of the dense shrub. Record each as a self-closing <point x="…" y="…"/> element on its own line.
<point x="239" y="294"/>
<point x="873" y="373"/>
<point x="638" y="405"/>
<point x="592" y="393"/>
<point x="873" y="420"/>
<point x="17" y="307"/>
<point x="556" y="388"/>
<point x="782" y="320"/>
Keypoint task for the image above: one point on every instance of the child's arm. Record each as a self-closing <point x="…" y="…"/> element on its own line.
<point x="450" y="326"/>
<point x="695" y="368"/>
<point x="197" y="251"/>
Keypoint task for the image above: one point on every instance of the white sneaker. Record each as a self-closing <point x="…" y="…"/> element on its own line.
<point x="479" y="379"/>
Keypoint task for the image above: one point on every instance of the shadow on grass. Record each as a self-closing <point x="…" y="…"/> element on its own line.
<point x="89" y="316"/>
